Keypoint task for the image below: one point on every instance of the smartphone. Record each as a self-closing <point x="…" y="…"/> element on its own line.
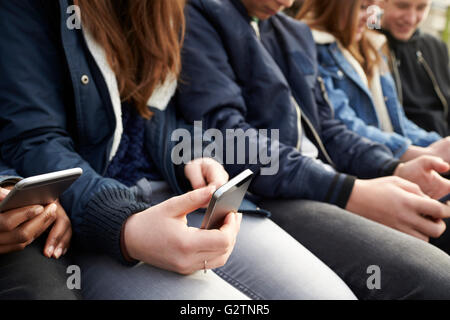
<point x="39" y="190"/>
<point x="445" y="199"/>
<point x="226" y="199"/>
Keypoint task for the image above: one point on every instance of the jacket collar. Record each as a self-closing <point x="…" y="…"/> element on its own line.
<point x="378" y="40"/>
<point x="323" y="37"/>
<point x="394" y="41"/>
<point x="335" y="49"/>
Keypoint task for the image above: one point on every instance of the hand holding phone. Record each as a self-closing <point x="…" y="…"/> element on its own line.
<point x="39" y="190"/>
<point x="226" y="199"/>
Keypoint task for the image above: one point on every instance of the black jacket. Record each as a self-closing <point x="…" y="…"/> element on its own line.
<point x="421" y="70"/>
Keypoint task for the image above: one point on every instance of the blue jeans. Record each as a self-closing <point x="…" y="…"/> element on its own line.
<point x="266" y="264"/>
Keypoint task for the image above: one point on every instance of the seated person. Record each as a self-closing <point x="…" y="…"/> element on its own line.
<point x="249" y="69"/>
<point x="84" y="101"/>
<point x="419" y="63"/>
<point x="33" y="243"/>
<point x="358" y="82"/>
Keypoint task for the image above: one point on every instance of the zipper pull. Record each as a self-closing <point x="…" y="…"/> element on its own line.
<point x="419" y="55"/>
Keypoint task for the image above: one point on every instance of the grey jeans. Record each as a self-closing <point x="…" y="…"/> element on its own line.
<point x="266" y="263"/>
<point x="354" y="247"/>
<point x="29" y="275"/>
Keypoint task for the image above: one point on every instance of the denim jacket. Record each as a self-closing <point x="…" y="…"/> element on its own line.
<point x="354" y="104"/>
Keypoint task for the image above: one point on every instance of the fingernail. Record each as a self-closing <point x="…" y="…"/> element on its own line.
<point x="38" y="210"/>
<point x="3" y="192"/>
<point x="211" y="189"/>
<point x="58" y="253"/>
<point x="51" y="209"/>
<point x="50" y="251"/>
<point x="65" y="251"/>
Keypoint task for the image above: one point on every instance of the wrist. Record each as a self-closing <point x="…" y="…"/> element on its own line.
<point x="354" y="202"/>
<point x="414" y="152"/>
<point x="399" y="169"/>
<point x="124" y="244"/>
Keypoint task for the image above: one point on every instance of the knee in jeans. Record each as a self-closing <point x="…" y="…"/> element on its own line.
<point x="420" y="274"/>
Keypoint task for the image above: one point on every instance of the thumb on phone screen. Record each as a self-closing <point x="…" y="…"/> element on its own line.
<point x="188" y="202"/>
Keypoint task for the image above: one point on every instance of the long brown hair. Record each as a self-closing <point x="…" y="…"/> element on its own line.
<point x="142" y="40"/>
<point x="327" y="15"/>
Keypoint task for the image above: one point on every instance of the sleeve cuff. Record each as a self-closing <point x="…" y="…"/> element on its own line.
<point x="9" y="180"/>
<point x="340" y="190"/>
<point x="402" y="149"/>
<point x="389" y="168"/>
<point x="104" y="219"/>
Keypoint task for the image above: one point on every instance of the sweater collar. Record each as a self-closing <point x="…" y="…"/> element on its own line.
<point x="323" y="37"/>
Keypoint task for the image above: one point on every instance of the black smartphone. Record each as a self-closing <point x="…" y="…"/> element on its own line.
<point x="40" y="190"/>
<point x="226" y="199"/>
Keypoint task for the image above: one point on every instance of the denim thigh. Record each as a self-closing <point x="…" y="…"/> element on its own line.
<point x="268" y="264"/>
<point x="103" y="278"/>
<point x="29" y="275"/>
<point x="352" y="246"/>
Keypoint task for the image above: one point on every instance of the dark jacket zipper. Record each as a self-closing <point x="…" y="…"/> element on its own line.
<point x="437" y="89"/>
<point x="426" y="66"/>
